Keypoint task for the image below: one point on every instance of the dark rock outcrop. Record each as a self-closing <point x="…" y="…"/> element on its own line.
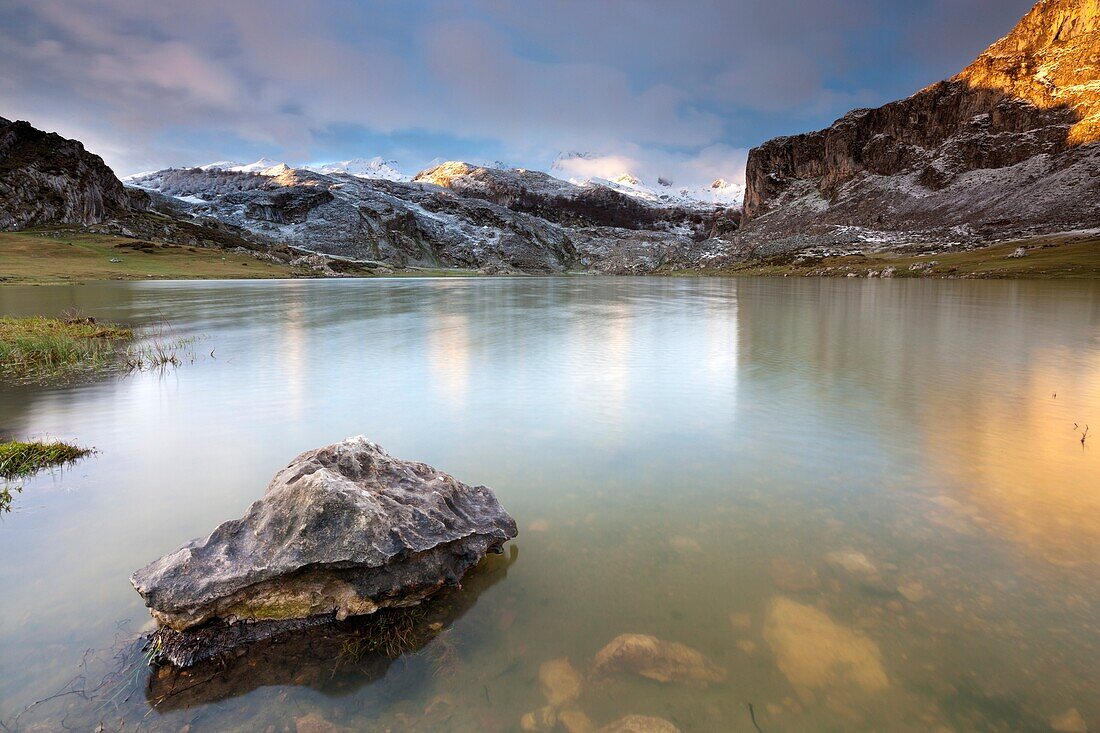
<point x="1007" y="146"/>
<point x="48" y="179"/>
<point x="342" y="531"/>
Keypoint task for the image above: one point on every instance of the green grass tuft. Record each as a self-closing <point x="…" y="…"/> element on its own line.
<point x="40" y="348"/>
<point x="19" y="460"/>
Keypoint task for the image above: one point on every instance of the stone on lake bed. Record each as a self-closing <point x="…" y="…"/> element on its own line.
<point x="543" y="719"/>
<point x="640" y="724"/>
<point x="792" y="576"/>
<point x="343" y="530"/>
<point x="575" y="721"/>
<point x="559" y="681"/>
<point x="858" y="568"/>
<point x="813" y="651"/>
<point x="663" y="661"/>
<point x="1069" y="722"/>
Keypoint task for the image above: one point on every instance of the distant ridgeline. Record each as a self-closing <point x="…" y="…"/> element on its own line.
<point x="453" y="215"/>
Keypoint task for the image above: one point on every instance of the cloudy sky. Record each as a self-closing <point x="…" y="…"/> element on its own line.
<point x="680" y="89"/>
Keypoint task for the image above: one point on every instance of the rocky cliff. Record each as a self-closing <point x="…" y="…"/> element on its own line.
<point x="45" y="178"/>
<point x="1009" y="146"/>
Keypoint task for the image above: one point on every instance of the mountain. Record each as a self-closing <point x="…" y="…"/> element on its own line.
<point x="1008" y="147"/>
<point x="375" y="167"/>
<point x="452" y="215"/>
<point x="45" y="178"/>
<point x="720" y="193"/>
<point x="259" y="166"/>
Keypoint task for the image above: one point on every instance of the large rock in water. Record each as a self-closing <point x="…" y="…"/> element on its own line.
<point x="343" y="530"/>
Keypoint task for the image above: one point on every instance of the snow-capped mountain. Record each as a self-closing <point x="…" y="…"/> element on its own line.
<point x="376" y="167"/>
<point x="720" y="193"/>
<point x="454" y="214"/>
<point x="259" y="166"/>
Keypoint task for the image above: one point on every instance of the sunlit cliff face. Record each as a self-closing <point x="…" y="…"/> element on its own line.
<point x="1050" y="59"/>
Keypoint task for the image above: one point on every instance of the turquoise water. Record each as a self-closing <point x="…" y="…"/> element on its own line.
<point x="865" y="501"/>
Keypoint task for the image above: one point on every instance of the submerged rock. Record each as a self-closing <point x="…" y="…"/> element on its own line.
<point x="559" y="681"/>
<point x="543" y="719"/>
<point x="664" y="661"/>
<point x="343" y="530"/>
<point x="316" y="723"/>
<point x="793" y="577"/>
<point x="640" y="724"/>
<point x="859" y="569"/>
<point x="813" y="651"/>
<point x="575" y="721"/>
<point x="1069" y="722"/>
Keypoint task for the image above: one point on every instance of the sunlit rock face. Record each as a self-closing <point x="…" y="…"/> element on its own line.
<point x="1051" y="60"/>
<point x="45" y="178"/>
<point x="1007" y="146"/>
<point x="343" y="530"/>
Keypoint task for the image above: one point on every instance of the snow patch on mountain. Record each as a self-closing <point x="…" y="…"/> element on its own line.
<point x="376" y="167"/>
<point x="261" y="166"/>
<point x="719" y="193"/>
<point x="579" y="168"/>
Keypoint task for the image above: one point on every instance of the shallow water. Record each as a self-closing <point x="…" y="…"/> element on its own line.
<point x="682" y="457"/>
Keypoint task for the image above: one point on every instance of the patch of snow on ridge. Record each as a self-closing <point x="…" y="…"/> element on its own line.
<point x="220" y="165"/>
<point x="584" y="169"/>
<point x="719" y="193"/>
<point x="260" y="166"/>
<point x="376" y="167"/>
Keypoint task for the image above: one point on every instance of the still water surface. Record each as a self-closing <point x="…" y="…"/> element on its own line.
<point x="865" y="501"/>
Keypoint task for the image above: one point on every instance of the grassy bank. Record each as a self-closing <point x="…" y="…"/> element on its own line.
<point x="42" y="348"/>
<point x="19" y="460"/>
<point x="72" y="256"/>
<point x="1047" y="258"/>
<point x="58" y="256"/>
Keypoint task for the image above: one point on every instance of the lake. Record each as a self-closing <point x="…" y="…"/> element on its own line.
<point x="866" y="501"/>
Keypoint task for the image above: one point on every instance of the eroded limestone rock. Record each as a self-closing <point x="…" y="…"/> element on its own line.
<point x="343" y="530"/>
